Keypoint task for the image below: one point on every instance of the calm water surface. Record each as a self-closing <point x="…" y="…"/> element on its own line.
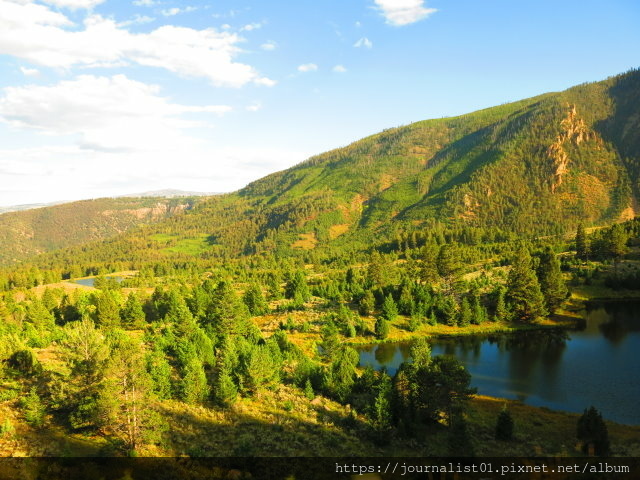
<point x="88" y="282"/>
<point x="597" y="365"/>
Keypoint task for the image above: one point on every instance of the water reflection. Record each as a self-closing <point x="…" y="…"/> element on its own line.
<point x="596" y="364"/>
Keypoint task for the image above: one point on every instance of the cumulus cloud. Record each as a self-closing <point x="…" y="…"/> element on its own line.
<point x="307" y="67"/>
<point x="363" y="42"/>
<point x="144" y="3"/>
<point x="104" y="113"/>
<point x="403" y="12"/>
<point x="339" y="69"/>
<point x="38" y="34"/>
<point x="254" y="107"/>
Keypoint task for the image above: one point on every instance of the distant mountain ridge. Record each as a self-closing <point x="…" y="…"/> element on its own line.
<point x="38" y="230"/>
<point x="169" y="193"/>
<point x="534" y="167"/>
<point x="166" y="193"/>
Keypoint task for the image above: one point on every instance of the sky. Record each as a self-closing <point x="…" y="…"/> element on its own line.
<point x="109" y="97"/>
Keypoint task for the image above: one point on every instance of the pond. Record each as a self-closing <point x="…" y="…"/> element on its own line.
<point x="88" y="282"/>
<point x="598" y="364"/>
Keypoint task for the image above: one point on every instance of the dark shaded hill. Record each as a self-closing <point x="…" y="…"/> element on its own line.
<point x="537" y="166"/>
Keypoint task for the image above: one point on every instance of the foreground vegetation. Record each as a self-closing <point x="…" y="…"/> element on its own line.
<point x="261" y="350"/>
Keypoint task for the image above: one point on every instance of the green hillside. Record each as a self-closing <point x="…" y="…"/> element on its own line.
<point x="27" y="233"/>
<point x="538" y="166"/>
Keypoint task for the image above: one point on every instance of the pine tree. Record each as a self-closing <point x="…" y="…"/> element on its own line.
<point x="389" y="309"/>
<point x="380" y="411"/>
<point x="296" y="288"/>
<point x="132" y="314"/>
<point x="254" y="300"/>
<point x="261" y="368"/>
<point x="227" y="314"/>
<point x="308" y="390"/>
<point x="86" y="353"/>
<point x="552" y="284"/>
<point x="225" y="390"/>
<point x="367" y="303"/>
<point x="429" y="268"/>
<point x="465" y="313"/>
<point x="126" y="400"/>
<point x="330" y="341"/>
<point x="33" y="408"/>
<point x="382" y="328"/>
<point x="504" y="425"/>
<point x="406" y="304"/>
<point x="420" y="353"/>
<point x="194" y="388"/>
<point x="108" y="309"/>
<point x="501" y="313"/>
<point x="160" y="372"/>
<point x="375" y="270"/>
<point x="343" y="372"/>
<point x="449" y="266"/>
<point x="523" y="290"/>
<point x="179" y="314"/>
<point x="274" y="290"/>
<point x="582" y="249"/>
<point x="592" y="431"/>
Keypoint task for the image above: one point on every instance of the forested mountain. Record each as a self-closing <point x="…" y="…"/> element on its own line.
<point x="537" y="166"/>
<point x="228" y="326"/>
<point x="29" y="232"/>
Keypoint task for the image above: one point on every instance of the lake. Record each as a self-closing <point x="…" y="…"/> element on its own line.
<point x="88" y="282"/>
<point x="598" y="364"/>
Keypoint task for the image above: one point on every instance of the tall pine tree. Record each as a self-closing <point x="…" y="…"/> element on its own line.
<point x="523" y="290"/>
<point x="552" y="284"/>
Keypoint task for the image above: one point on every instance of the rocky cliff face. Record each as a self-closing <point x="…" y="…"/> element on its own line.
<point x="574" y="131"/>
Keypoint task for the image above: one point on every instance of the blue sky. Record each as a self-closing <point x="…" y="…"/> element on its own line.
<point x="105" y="97"/>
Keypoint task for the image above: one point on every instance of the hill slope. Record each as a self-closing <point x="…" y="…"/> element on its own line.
<point x="29" y="232"/>
<point x="537" y="166"/>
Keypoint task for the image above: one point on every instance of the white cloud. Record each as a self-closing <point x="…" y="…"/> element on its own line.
<point x="170" y="12"/>
<point x="144" y="3"/>
<point x="266" y="82"/>
<point x="363" y="42"/>
<point x="29" y="72"/>
<point x="254" y="107"/>
<point x="268" y="46"/>
<point x="102" y="113"/>
<point x="307" y="67"/>
<point x="75" y="4"/>
<point x="35" y="33"/>
<point x="403" y="12"/>
<point x="137" y="19"/>
<point x="251" y="26"/>
<point x="339" y="69"/>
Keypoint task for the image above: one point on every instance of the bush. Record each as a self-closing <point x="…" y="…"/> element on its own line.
<point x="25" y="362"/>
<point x="7" y="429"/>
<point x="33" y="409"/>
<point x="592" y="431"/>
<point x="504" y="425"/>
<point x="382" y="328"/>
